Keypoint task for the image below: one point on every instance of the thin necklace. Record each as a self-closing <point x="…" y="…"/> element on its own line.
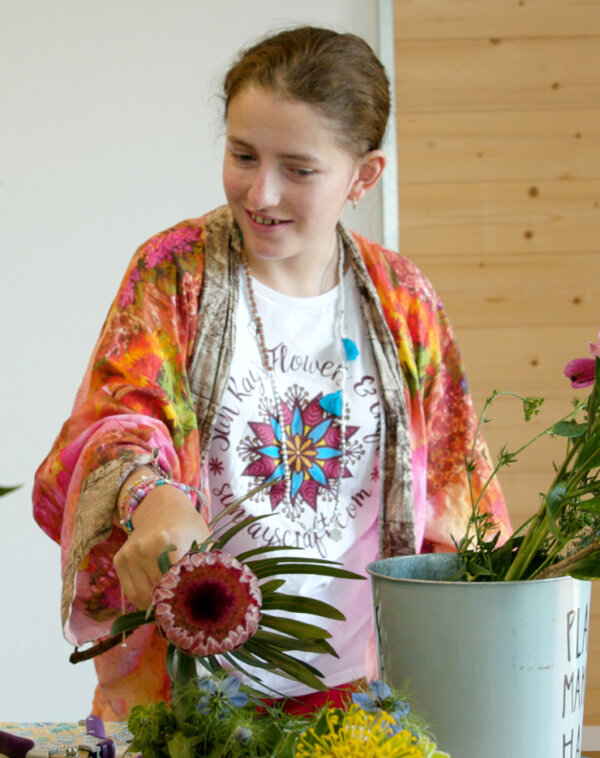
<point x="333" y="403"/>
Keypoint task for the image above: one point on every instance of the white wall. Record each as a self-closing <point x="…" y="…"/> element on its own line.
<point x="109" y="132"/>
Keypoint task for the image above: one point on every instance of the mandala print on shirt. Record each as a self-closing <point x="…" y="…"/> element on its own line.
<point x="313" y="447"/>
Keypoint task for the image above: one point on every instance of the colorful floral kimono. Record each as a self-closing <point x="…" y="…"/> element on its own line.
<point x="155" y="383"/>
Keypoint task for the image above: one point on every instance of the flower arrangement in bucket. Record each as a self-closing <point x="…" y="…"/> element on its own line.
<point x="219" y="615"/>
<point x="563" y="537"/>
<point x="503" y="627"/>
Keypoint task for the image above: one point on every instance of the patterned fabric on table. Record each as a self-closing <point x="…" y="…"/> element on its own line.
<point x="65" y="733"/>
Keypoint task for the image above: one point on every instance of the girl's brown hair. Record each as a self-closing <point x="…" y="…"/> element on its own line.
<point x="338" y="74"/>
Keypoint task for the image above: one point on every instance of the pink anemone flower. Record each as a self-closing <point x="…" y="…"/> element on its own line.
<point x="207" y="603"/>
<point x="581" y="370"/>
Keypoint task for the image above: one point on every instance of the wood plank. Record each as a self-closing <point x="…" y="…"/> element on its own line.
<point x="491" y="146"/>
<point x="592" y="709"/>
<point x="474" y="75"/>
<point x="506" y="217"/>
<point x="437" y="19"/>
<point x="512" y="290"/>
<point x="528" y="360"/>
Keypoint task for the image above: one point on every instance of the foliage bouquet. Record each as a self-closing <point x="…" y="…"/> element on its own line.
<point x="563" y="536"/>
<point x="217" y="717"/>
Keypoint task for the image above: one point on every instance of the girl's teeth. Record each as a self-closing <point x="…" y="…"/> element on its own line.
<point x="266" y="221"/>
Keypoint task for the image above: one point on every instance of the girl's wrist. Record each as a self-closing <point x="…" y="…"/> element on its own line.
<point x="133" y="494"/>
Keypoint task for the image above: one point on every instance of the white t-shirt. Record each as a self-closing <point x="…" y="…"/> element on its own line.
<point x="302" y="344"/>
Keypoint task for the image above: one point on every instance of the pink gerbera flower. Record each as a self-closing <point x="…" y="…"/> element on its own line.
<point x="581" y="370"/>
<point x="207" y="603"/>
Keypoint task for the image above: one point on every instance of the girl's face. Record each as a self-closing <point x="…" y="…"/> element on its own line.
<point x="286" y="179"/>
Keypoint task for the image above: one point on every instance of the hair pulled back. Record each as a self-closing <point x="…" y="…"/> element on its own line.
<point x="337" y="74"/>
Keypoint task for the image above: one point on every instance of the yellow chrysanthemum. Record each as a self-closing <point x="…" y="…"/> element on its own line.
<point x="358" y="734"/>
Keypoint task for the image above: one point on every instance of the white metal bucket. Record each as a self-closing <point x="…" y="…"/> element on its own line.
<point x="497" y="668"/>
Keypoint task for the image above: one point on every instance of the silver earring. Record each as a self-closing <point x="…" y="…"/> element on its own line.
<point x="354" y="203"/>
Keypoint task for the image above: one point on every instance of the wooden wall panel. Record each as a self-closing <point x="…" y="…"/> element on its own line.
<point x="487" y="217"/>
<point x="508" y="146"/>
<point x="498" y="134"/>
<point x="497" y="74"/>
<point x="443" y="19"/>
<point x="526" y="359"/>
<point x="494" y="287"/>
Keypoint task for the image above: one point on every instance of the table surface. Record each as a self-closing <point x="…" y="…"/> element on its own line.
<point x="46" y="733"/>
<point x="52" y="734"/>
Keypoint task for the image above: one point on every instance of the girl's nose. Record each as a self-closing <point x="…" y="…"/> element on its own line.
<point x="264" y="192"/>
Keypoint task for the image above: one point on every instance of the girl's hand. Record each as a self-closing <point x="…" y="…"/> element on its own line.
<point x="165" y="516"/>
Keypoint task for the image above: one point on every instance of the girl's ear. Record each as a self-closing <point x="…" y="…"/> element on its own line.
<point x="370" y="169"/>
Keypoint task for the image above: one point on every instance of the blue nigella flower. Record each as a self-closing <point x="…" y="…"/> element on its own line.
<point x="379" y="697"/>
<point x="218" y="696"/>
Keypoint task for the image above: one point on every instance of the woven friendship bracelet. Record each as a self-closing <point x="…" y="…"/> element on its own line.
<point x="137" y="491"/>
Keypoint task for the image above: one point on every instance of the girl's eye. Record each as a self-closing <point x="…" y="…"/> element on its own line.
<point x="303" y="172"/>
<point x="243" y="157"/>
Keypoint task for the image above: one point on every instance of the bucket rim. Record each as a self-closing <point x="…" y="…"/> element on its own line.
<point x="374" y="573"/>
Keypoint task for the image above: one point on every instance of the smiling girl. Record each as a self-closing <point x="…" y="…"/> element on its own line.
<point x="265" y="344"/>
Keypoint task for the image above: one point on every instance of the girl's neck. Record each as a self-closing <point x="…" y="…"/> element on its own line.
<point x="299" y="276"/>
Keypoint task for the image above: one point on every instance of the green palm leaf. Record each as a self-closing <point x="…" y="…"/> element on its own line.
<point x="281" y="566"/>
<point x="293" y="627"/>
<point x="262" y="551"/>
<point x="130" y="621"/>
<point x="283" y="642"/>
<point x="271" y="586"/>
<point x="281" y="662"/>
<point x="300" y="604"/>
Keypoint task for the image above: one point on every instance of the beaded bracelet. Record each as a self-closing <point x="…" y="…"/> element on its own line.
<point x="137" y="491"/>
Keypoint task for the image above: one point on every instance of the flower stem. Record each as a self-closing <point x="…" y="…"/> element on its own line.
<point x="184" y="673"/>
<point x="185" y="669"/>
<point x="561" y="568"/>
<point x="532" y="542"/>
